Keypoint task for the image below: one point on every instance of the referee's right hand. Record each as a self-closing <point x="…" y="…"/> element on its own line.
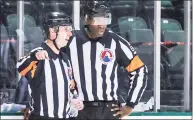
<point x="26" y="113"/>
<point x="121" y="111"/>
<point x="42" y="55"/>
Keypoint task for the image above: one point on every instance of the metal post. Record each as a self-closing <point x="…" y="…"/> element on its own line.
<point x="20" y="37"/>
<point x="192" y="58"/>
<point x="76" y="14"/>
<point x="187" y="30"/>
<point x="157" y="32"/>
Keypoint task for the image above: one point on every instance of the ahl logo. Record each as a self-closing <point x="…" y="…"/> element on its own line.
<point x="106" y="56"/>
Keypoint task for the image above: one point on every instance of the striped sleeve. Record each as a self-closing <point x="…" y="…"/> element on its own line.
<point x="73" y="86"/>
<point x="128" y="58"/>
<point x="72" y="81"/>
<point x="27" y="65"/>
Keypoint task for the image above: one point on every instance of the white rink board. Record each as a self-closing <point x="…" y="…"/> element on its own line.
<point x="127" y="117"/>
<point x="157" y="117"/>
<point x="11" y="117"/>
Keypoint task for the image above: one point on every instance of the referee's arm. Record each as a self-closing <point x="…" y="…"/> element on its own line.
<point x="128" y="58"/>
<point x="27" y="65"/>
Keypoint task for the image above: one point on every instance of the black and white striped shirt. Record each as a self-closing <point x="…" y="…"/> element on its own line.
<point x="49" y="81"/>
<point x="95" y="64"/>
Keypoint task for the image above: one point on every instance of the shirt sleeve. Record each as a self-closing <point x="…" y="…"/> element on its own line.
<point x="128" y="58"/>
<point x="27" y="65"/>
<point x="73" y="86"/>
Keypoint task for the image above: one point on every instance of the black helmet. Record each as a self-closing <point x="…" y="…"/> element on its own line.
<point x="94" y="7"/>
<point x="54" y="20"/>
<point x="97" y="9"/>
<point x="57" y="19"/>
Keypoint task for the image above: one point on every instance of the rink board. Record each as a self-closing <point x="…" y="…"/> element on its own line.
<point x="133" y="116"/>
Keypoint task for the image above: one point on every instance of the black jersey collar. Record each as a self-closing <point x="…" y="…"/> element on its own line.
<point x="51" y="53"/>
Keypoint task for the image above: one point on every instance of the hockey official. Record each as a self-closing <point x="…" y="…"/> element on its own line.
<point x="50" y="77"/>
<point x="96" y="55"/>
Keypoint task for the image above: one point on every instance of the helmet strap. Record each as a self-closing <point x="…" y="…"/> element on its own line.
<point x="54" y="42"/>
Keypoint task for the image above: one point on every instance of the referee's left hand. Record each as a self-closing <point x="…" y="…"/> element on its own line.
<point x="123" y="111"/>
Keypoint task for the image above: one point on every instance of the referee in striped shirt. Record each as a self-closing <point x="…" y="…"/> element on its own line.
<point x="50" y="77"/>
<point x="96" y="54"/>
